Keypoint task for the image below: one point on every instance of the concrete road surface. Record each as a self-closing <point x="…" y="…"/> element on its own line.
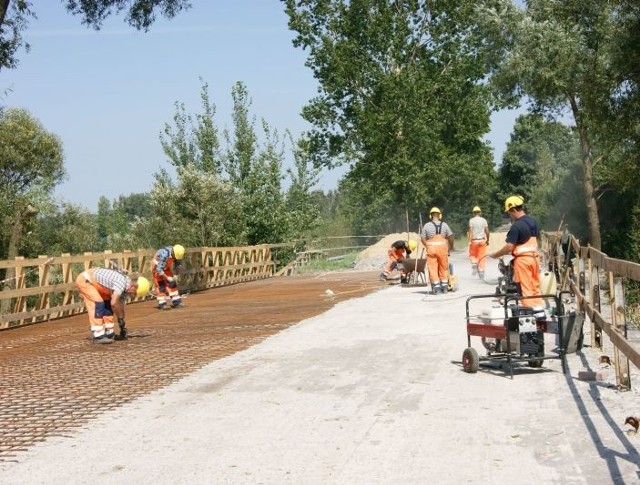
<point x="371" y="392"/>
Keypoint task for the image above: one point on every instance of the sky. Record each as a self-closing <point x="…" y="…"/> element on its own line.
<point x="108" y="94"/>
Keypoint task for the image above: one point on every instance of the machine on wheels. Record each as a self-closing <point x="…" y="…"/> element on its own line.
<point x="512" y="333"/>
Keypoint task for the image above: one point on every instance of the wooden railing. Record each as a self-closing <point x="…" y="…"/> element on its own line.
<point x="597" y="281"/>
<point x="43" y="288"/>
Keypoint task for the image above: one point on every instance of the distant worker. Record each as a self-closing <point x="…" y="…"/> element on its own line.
<point x="397" y="253"/>
<point x="437" y="238"/>
<point x="166" y="264"/>
<point x="104" y="291"/>
<point x="522" y="243"/>
<point x="478" y="235"/>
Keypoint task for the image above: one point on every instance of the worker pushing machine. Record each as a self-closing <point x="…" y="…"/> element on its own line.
<point x="478" y="236"/>
<point x="437" y="238"/>
<point x="522" y="243"/>
<point x="166" y="264"/>
<point x="397" y="253"/>
<point x="104" y="292"/>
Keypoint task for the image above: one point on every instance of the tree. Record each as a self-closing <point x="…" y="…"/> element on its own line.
<point x="199" y="210"/>
<point x="402" y="99"/>
<point x="254" y="169"/>
<point x="31" y="165"/>
<point x="559" y="56"/>
<point x="303" y="211"/>
<point x="140" y="14"/>
<point x="66" y="229"/>
<point x="193" y="139"/>
<point x="540" y="164"/>
<point x="116" y="221"/>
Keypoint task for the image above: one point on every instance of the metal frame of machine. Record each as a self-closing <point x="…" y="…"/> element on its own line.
<point x="517" y="335"/>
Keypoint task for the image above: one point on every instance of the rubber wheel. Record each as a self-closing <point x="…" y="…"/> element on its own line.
<point x="536" y="364"/>
<point x="470" y="360"/>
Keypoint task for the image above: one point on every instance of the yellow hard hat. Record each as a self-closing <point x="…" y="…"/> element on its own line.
<point x="178" y="251"/>
<point x="434" y="210"/>
<point x="513" y="201"/>
<point x="413" y="245"/>
<point x="476" y="209"/>
<point x="143" y="286"/>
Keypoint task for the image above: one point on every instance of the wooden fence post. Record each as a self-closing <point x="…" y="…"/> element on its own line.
<point x="623" y="379"/>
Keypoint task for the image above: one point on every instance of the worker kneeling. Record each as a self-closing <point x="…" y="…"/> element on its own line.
<point x="397" y="253"/>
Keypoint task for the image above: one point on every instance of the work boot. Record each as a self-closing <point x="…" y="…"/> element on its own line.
<point x="162" y="306"/>
<point x="436" y="289"/>
<point x="111" y="335"/>
<point x="445" y="288"/>
<point x="383" y="277"/>
<point x="481" y="275"/>
<point x="102" y="339"/>
<point x="177" y="304"/>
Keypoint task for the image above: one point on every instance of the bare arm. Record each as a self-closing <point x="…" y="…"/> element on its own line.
<point x="503" y="251"/>
<point x="117" y="305"/>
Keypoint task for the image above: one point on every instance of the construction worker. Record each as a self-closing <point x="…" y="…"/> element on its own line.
<point x="104" y="291"/>
<point x="437" y="238"/>
<point x="166" y="264"/>
<point x="397" y="253"/>
<point x="522" y="243"/>
<point x="478" y="236"/>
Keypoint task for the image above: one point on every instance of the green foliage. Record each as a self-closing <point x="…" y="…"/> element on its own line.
<point x="31" y="165"/>
<point x="68" y="229"/>
<point x="193" y="139"/>
<point x="14" y="18"/>
<point x="140" y="14"/>
<point x="402" y="98"/>
<point x="302" y="208"/>
<point x="542" y="164"/>
<point x="323" y="264"/>
<point x="198" y="210"/>
<point x="560" y="57"/>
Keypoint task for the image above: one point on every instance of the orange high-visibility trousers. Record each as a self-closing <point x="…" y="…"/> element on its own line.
<point x="526" y="271"/>
<point x="477" y="253"/>
<point x="438" y="259"/>
<point x="97" y="300"/>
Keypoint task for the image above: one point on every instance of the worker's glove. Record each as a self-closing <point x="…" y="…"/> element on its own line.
<point x="171" y="282"/>
<point x="123" y="330"/>
<point x="171" y="279"/>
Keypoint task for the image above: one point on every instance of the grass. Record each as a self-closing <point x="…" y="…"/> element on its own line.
<point x="318" y="264"/>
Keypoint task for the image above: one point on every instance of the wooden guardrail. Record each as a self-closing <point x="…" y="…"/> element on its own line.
<point x="43" y="288"/>
<point x="597" y="281"/>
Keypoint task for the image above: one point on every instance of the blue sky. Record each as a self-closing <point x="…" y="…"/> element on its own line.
<point x="108" y="94"/>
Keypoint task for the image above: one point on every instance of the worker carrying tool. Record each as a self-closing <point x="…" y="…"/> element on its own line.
<point x="478" y="236"/>
<point x="397" y="253"/>
<point x="521" y="242"/>
<point x="437" y="238"/>
<point x="165" y="266"/>
<point x="104" y="292"/>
